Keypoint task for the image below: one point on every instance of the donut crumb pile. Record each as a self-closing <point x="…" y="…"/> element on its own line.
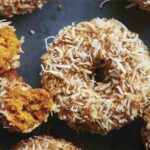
<point x="68" y="72"/>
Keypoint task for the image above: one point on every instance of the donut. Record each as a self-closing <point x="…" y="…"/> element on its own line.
<point x="143" y="4"/>
<point x="9" y="8"/>
<point x="45" y="143"/>
<point x="146" y="137"/>
<point x="146" y="129"/>
<point x="98" y="73"/>
<point x="10" y="47"/>
<point x="22" y="108"/>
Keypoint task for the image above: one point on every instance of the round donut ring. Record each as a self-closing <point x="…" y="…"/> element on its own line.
<point x="9" y="8"/>
<point x="10" y="47"/>
<point x="99" y="74"/>
<point x="22" y="108"/>
<point x="143" y="4"/>
<point x="45" y="143"/>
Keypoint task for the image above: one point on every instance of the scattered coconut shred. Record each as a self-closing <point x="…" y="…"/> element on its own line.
<point x="32" y="32"/>
<point x="45" y="143"/>
<point x="104" y="2"/>
<point x="69" y="71"/>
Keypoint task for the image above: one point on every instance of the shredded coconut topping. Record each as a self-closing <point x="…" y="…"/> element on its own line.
<point x="143" y="4"/>
<point x="45" y="143"/>
<point x="68" y="72"/>
<point x="9" y="8"/>
<point x="146" y="129"/>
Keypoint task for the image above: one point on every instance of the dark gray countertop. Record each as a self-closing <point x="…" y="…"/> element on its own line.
<point x="49" y="21"/>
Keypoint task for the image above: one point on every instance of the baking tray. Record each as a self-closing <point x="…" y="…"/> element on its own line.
<point x="49" y="21"/>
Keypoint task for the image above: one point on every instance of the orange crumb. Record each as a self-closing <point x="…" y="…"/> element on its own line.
<point x="24" y="107"/>
<point x="27" y="109"/>
<point x="9" y="47"/>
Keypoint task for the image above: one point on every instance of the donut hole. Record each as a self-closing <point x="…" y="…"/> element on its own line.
<point x="100" y="75"/>
<point x="101" y="72"/>
<point x="27" y="109"/>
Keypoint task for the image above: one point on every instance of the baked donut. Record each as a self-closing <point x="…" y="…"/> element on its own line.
<point x="143" y="4"/>
<point x="45" y="143"/>
<point x="146" y="129"/>
<point x="98" y="73"/>
<point x="10" y="47"/>
<point x="22" y="108"/>
<point x="146" y="137"/>
<point x="9" y="8"/>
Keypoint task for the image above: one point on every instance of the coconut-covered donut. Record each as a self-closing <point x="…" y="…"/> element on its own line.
<point x="146" y="129"/>
<point x="143" y="4"/>
<point x="146" y="137"/>
<point x="22" y="108"/>
<point x="10" y="47"/>
<point x="45" y="143"/>
<point x="9" y="8"/>
<point x="98" y="73"/>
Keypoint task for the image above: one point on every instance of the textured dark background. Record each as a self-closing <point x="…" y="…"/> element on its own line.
<point x="49" y="21"/>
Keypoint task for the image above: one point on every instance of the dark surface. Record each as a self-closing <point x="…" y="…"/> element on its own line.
<point x="49" y="21"/>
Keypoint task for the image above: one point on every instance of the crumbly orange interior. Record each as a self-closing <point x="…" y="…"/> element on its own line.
<point x="9" y="45"/>
<point x="26" y="109"/>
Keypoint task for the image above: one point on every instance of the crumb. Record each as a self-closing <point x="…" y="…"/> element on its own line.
<point x="59" y="7"/>
<point x="32" y="32"/>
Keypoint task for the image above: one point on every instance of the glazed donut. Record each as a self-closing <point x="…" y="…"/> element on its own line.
<point x="99" y="75"/>
<point x="10" y="47"/>
<point x="9" y="8"/>
<point x="146" y="129"/>
<point x="143" y="4"/>
<point x="45" y="143"/>
<point x="22" y="108"/>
